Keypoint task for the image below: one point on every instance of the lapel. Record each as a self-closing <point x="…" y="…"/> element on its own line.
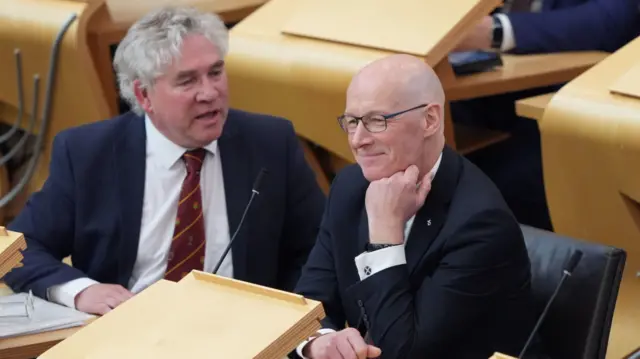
<point x="430" y="217"/>
<point x="236" y="163"/>
<point x="547" y="4"/>
<point x="129" y="158"/>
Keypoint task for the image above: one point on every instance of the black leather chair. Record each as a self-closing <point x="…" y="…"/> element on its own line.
<point x="579" y="320"/>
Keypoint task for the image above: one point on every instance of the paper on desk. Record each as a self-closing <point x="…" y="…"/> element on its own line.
<point x="46" y="316"/>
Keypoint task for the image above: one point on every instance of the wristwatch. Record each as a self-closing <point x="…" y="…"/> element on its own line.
<point x="498" y="33"/>
<point x="375" y="246"/>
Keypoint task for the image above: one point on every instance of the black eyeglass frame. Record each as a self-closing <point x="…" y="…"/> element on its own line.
<point x="385" y="117"/>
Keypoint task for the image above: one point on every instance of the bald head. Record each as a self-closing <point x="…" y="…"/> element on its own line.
<point x="402" y="79"/>
<point x="394" y="116"/>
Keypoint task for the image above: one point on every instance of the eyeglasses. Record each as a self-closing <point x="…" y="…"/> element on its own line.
<point x="372" y="123"/>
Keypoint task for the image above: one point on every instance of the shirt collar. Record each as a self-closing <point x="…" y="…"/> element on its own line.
<point x="434" y="170"/>
<point x="163" y="151"/>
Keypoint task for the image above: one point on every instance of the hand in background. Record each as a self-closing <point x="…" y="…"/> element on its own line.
<point x="345" y="344"/>
<point x="101" y="298"/>
<point x="479" y="38"/>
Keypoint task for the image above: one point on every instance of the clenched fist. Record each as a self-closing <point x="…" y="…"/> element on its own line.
<point x="390" y="202"/>
<point x="345" y="344"/>
<point x="101" y="298"/>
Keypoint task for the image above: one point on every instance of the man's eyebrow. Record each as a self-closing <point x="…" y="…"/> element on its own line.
<point x="190" y="73"/>
<point x="218" y="64"/>
<point x="368" y="113"/>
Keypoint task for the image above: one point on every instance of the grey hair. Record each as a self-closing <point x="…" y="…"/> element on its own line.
<point x="154" y="42"/>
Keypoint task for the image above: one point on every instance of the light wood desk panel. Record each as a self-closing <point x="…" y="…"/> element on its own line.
<point x="533" y="107"/>
<point x="522" y="72"/>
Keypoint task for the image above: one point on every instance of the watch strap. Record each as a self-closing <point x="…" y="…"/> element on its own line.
<point x="497" y="36"/>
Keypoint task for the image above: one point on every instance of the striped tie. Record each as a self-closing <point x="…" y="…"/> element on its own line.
<point x="187" y="247"/>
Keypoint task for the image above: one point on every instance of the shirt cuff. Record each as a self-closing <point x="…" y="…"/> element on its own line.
<point x="370" y="263"/>
<point x="508" y="39"/>
<point x="304" y="343"/>
<point x="65" y="294"/>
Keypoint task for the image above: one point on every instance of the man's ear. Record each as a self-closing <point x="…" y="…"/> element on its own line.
<point x="433" y="119"/>
<point x="142" y="96"/>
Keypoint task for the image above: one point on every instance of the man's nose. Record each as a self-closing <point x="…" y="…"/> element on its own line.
<point x="208" y="92"/>
<point x="360" y="136"/>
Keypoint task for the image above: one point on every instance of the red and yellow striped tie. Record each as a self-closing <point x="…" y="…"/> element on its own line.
<point x="188" y="245"/>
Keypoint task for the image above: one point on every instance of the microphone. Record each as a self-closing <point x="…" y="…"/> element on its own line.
<point x="255" y="190"/>
<point x="568" y="270"/>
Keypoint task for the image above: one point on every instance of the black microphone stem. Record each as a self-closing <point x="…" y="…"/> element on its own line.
<point x="565" y="275"/>
<point x="254" y="191"/>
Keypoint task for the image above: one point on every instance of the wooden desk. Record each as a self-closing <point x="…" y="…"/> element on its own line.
<point x="533" y="107"/>
<point x="522" y="72"/>
<point x="32" y="346"/>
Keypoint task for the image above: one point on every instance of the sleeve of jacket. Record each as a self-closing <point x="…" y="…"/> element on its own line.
<point x="305" y="204"/>
<point x="596" y="25"/>
<point x="481" y="260"/>
<point x="319" y="280"/>
<point x="47" y="222"/>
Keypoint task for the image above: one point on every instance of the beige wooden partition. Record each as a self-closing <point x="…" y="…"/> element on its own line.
<point x="591" y="156"/>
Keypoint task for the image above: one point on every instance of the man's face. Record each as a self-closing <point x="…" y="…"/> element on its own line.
<point x="188" y="103"/>
<point x="382" y="154"/>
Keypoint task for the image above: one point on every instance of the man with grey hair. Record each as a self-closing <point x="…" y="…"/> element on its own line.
<point x="156" y="193"/>
<point x="417" y="252"/>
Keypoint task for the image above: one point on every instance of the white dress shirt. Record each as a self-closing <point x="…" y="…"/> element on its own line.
<point x="164" y="174"/>
<point x="379" y="260"/>
<point x="508" y="38"/>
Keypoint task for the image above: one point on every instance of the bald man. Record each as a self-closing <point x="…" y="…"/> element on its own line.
<point x="417" y="252"/>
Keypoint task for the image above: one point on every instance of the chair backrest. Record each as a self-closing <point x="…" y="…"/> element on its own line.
<point x="579" y="320"/>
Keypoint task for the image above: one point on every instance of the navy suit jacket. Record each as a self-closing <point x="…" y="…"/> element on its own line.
<point x="575" y="25"/>
<point x="465" y="289"/>
<point x="91" y="205"/>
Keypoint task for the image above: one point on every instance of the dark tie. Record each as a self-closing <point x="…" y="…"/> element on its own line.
<point x="520" y="6"/>
<point x="188" y="244"/>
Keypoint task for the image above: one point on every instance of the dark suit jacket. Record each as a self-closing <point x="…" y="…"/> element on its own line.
<point x="464" y="291"/>
<point x="91" y="205"/>
<point x="574" y="25"/>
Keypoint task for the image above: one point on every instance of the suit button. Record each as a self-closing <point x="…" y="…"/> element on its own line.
<point x="360" y="303"/>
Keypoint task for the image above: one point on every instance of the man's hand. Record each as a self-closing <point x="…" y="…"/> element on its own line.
<point x="390" y="202"/>
<point x="101" y="298"/>
<point x="479" y="38"/>
<point x="345" y="344"/>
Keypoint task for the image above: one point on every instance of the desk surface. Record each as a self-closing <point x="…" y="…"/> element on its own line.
<point x="533" y="107"/>
<point x="521" y="72"/>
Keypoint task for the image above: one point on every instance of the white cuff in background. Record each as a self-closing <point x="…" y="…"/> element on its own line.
<point x="508" y="39"/>
<point x="370" y="263"/>
<point x="65" y="294"/>
<point x="304" y="343"/>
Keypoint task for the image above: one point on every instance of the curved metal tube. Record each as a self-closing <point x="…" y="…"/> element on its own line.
<point x="32" y="121"/>
<point x="6" y="136"/>
<point x="53" y="61"/>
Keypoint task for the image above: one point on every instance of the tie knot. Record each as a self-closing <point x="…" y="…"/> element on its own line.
<point x="194" y="159"/>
